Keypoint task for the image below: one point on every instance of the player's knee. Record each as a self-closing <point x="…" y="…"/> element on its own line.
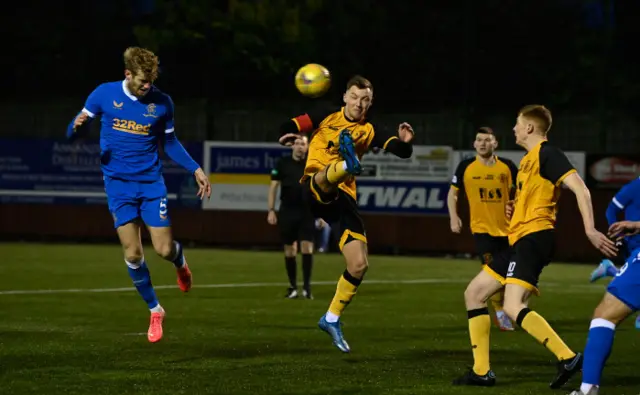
<point x="320" y="179"/>
<point x="612" y="312"/>
<point x="133" y="257"/>
<point x="306" y="247"/>
<point x="290" y="250"/>
<point x="164" y="249"/>
<point x="358" y="266"/>
<point x="473" y="294"/>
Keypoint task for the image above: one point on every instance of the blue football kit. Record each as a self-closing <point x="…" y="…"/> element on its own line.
<point x="626" y="283"/>
<point x="131" y="131"/>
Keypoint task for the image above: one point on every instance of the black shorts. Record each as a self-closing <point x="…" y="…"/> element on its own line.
<point x="529" y="256"/>
<point x="338" y="209"/>
<point x="296" y="225"/>
<point x="490" y="247"/>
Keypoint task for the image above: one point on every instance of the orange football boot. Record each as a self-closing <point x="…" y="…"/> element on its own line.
<point x="184" y="277"/>
<point x="155" y="327"/>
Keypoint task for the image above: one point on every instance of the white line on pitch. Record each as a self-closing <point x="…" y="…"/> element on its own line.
<point x="274" y="284"/>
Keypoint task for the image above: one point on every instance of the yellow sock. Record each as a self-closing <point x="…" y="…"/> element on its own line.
<point x="346" y="290"/>
<point x="539" y="328"/>
<point x="336" y="172"/>
<point x="497" y="300"/>
<point x="479" y="330"/>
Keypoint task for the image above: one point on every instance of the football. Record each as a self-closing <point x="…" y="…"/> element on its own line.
<point x="313" y="80"/>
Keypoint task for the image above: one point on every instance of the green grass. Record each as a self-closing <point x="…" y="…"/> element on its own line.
<point x="406" y="338"/>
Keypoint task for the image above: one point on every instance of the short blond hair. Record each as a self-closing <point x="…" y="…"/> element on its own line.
<point x="139" y="60"/>
<point x="538" y="114"/>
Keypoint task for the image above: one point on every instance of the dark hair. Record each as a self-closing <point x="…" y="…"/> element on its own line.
<point x="360" y="82"/>
<point x="486" y="130"/>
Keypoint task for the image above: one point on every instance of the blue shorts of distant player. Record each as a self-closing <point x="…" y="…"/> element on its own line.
<point x="130" y="200"/>
<point x="626" y="284"/>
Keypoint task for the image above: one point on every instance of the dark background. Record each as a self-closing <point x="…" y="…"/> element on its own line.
<point x="474" y="58"/>
<point x="447" y="67"/>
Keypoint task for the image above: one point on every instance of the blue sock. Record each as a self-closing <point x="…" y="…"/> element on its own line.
<point x="612" y="271"/>
<point x="142" y="280"/>
<point x="178" y="261"/>
<point x="597" y="350"/>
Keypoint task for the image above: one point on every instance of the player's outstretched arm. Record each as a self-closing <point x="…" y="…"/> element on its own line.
<point x="575" y="183"/>
<point x="306" y="123"/>
<point x="79" y="126"/>
<point x="400" y="145"/>
<point x="175" y="150"/>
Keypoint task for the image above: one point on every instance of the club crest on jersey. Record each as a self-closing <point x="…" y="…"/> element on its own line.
<point x="503" y="177"/>
<point x="151" y="111"/>
<point x="332" y="148"/>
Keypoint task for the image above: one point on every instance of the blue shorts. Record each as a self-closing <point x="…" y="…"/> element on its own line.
<point x="130" y="200"/>
<point x="626" y="285"/>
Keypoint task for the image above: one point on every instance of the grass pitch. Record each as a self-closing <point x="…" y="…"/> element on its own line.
<point x="77" y="326"/>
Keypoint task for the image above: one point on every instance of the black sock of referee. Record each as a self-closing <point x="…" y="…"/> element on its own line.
<point x="307" y="265"/>
<point x="290" y="264"/>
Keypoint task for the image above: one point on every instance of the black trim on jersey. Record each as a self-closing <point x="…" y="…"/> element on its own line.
<point x="316" y="115"/>
<point x="514" y="174"/>
<point x="395" y="146"/>
<point x="553" y="163"/>
<point x="458" y="178"/>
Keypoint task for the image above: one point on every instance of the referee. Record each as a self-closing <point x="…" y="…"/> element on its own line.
<point x="294" y="218"/>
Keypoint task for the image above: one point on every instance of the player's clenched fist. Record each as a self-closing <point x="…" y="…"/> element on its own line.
<point x="80" y="119"/>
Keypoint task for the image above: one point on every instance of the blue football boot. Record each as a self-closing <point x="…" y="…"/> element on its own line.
<point x="334" y="329"/>
<point x="606" y="268"/>
<point x="347" y="150"/>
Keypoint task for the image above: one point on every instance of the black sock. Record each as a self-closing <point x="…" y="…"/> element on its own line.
<point x="290" y="264"/>
<point x="307" y="265"/>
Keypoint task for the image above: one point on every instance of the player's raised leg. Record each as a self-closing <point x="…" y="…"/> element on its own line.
<point x="354" y="250"/>
<point x="129" y="235"/>
<point x="337" y="172"/>
<point x="516" y="306"/>
<point x="485" y="284"/>
<point x="155" y="214"/>
<point x="171" y="250"/>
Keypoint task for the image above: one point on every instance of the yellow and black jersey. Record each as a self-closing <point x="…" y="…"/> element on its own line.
<point x="488" y="189"/>
<point x="540" y="176"/>
<point x="324" y="128"/>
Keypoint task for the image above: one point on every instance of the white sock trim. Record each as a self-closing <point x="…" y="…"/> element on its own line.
<point x="585" y="388"/>
<point x="134" y="265"/>
<point x="157" y="309"/>
<point x="330" y="317"/>
<point x="602" y="323"/>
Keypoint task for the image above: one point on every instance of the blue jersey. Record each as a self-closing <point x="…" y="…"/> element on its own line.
<point x="131" y="129"/>
<point x="627" y="200"/>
